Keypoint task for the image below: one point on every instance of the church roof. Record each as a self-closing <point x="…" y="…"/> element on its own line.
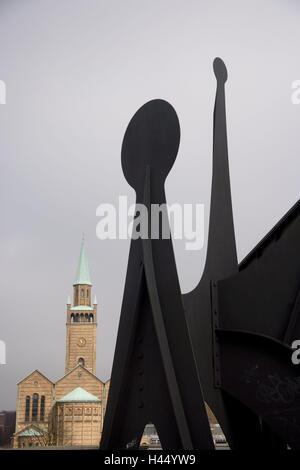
<point x="82" y="274"/>
<point x="29" y="432"/>
<point x="79" y="395"/>
<point x="82" y="307"/>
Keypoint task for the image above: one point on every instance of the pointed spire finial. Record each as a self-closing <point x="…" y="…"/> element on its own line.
<point x="69" y="300"/>
<point x="95" y="300"/>
<point x="82" y="274"/>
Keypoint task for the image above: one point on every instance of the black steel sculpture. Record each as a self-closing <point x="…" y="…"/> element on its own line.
<point x="154" y="377"/>
<point x="221" y="262"/>
<point x="241" y="318"/>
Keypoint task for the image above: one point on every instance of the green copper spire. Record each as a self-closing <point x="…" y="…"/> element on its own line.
<point x="82" y="274"/>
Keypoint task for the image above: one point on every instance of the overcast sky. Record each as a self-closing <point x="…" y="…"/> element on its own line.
<point x="76" y="71"/>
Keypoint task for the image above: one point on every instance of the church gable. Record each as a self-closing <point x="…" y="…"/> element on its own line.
<point x="35" y="383"/>
<point x="35" y="375"/>
<point x="79" y="377"/>
<point x="31" y="436"/>
<point x="35" y="400"/>
<point x="31" y="430"/>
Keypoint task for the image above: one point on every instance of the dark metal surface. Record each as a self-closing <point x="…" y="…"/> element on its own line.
<point x="262" y="297"/>
<point x="221" y="262"/>
<point x="257" y="370"/>
<point x="154" y="377"/>
<point x="241" y="318"/>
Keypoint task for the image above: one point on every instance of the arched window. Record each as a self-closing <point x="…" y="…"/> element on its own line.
<point x="91" y="318"/>
<point x="81" y="317"/>
<point x="27" y="408"/>
<point x="35" y="407"/>
<point x="87" y="317"/>
<point x="87" y="293"/>
<point x="77" y="317"/>
<point x="81" y="361"/>
<point x="42" y="411"/>
<point x="72" y="317"/>
<point x="82" y="292"/>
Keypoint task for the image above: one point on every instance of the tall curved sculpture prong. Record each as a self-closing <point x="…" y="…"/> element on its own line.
<point x="154" y="377"/>
<point x="221" y="262"/>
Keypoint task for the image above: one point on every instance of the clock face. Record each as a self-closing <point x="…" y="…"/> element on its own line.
<point x="81" y="342"/>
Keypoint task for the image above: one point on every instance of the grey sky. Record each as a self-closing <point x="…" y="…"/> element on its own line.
<point x="76" y="71"/>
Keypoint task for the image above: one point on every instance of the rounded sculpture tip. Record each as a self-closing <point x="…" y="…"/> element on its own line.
<point x="220" y="70"/>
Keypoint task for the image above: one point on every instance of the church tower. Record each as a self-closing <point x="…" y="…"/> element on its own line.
<point x="81" y="320"/>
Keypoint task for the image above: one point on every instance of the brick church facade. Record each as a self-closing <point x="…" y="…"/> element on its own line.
<point x="70" y="411"/>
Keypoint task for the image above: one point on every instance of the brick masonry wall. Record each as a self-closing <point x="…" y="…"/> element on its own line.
<point x="86" y="332"/>
<point x="79" y="377"/>
<point x="78" y="423"/>
<point x="34" y="383"/>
